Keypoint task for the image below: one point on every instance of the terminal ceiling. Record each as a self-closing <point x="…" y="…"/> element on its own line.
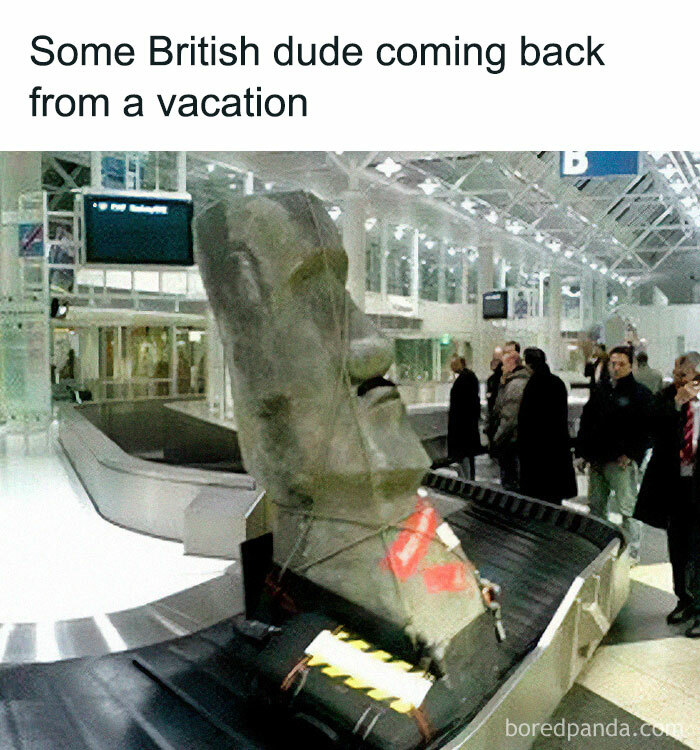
<point x="636" y="231"/>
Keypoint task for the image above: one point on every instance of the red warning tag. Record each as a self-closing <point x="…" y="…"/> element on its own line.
<point x="412" y="543"/>
<point x="449" y="577"/>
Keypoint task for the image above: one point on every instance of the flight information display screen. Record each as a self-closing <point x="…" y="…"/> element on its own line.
<point x="495" y="305"/>
<point x="136" y="230"/>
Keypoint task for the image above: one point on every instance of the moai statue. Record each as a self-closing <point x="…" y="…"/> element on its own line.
<point x="321" y="428"/>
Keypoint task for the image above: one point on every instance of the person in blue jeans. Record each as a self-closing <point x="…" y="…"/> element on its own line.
<point x="614" y="436"/>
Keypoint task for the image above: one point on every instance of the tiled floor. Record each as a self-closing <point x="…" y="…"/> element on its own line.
<point x="59" y="560"/>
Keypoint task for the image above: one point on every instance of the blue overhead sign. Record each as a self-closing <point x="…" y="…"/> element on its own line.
<point x="598" y="163"/>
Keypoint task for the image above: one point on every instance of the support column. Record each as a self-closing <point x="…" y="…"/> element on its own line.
<point x="442" y="273"/>
<point x="89" y="360"/>
<point x="486" y="335"/>
<point x="586" y="301"/>
<point x="383" y="251"/>
<point x="354" y="241"/>
<point x="216" y="381"/>
<point x="182" y="171"/>
<point x="464" y="297"/>
<point x="249" y="183"/>
<point x="20" y="172"/>
<point x="540" y="299"/>
<point x="600" y="301"/>
<point x="554" y="355"/>
<point x="415" y="268"/>
<point x="173" y="361"/>
<point x="96" y="169"/>
<point x="501" y="274"/>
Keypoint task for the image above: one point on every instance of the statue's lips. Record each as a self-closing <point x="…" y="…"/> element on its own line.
<point x="380" y="394"/>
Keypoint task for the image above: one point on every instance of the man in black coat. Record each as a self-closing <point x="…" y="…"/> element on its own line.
<point x="614" y="436"/>
<point x="463" y="440"/>
<point x="544" y="445"/>
<point x="670" y="494"/>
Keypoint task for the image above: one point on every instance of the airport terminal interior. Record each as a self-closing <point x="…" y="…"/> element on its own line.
<point x="231" y="510"/>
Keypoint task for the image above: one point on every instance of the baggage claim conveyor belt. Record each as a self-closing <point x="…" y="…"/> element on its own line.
<point x="563" y="576"/>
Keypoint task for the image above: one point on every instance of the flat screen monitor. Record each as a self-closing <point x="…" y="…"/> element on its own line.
<point x="137" y="230"/>
<point x="495" y="305"/>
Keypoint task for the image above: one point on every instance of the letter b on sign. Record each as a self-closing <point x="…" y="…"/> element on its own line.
<point x="574" y="162"/>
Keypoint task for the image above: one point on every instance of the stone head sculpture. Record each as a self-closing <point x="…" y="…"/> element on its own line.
<point x="319" y="426"/>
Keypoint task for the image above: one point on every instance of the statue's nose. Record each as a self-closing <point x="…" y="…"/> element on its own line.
<point x="370" y="354"/>
<point x="370" y="357"/>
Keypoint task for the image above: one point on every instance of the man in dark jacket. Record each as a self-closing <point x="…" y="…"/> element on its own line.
<point x="670" y="493"/>
<point x="614" y="435"/>
<point x="504" y="421"/>
<point x="544" y="446"/>
<point x="463" y="440"/>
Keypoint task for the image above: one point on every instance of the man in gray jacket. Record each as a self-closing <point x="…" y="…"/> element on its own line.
<point x="652" y="379"/>
<point x="505" y="419"/>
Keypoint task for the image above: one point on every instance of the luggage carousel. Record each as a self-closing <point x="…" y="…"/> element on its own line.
<point x="564" y="577"/>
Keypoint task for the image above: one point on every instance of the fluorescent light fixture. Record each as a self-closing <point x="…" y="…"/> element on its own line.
<point x="492" y="217"/>
<point x="269" y="186"/>
<point x="677" y="186"/>
<point x="657" y="155"/>
<point x="539" y="237"/>
<point x="429" y="186"/>
<point x="514" y="227"/>
<point x="369" y="223"/>
<point x="398" y="233"/>
<point x="334" y="212"/>
<point x="468" y="205"/>
<point x="389" y="167"/>
<point x="430" y="244"/>
<point x="452" y="251"/>
<point x="211" y="168"/>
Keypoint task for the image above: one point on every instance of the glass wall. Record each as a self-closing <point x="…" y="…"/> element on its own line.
<point x="129" y="362"/>
<point x="413" y="360"/>
<point x="426" y="360"/>
<point x="454" y="260"/>
<point x="374" y="261"/>
<point x="429" y="270"/>
<point x="398" y="261"/>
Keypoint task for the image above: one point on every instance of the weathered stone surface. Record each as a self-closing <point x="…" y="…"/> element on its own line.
<point x="341" y="470"/>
